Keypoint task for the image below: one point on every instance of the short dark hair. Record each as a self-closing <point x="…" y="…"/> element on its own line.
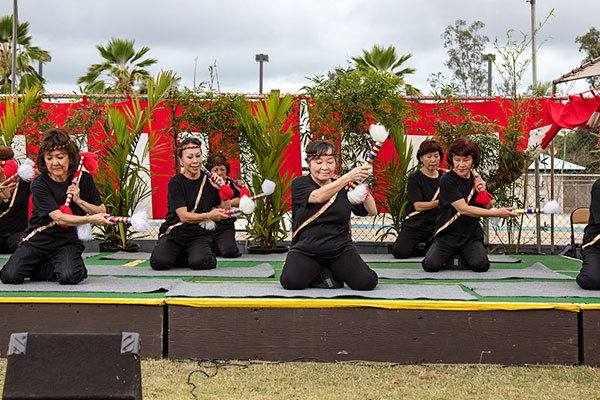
<point x="6" y="153"/>
<point x="55" y="139"/>
<point x="317" y="148"/>
<point x="189" y="141"/>
<point x="217" y="159"/>
<point x="464" y="147"/>
<point x="429" y="146"/>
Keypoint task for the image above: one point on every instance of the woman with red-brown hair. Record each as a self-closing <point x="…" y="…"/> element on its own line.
<point x="457" y="231"/>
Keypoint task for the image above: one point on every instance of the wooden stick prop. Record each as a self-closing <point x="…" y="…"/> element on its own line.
<point x="550" y="207"/>
<point x="139" y="222"/>
<point x="90" y="162"/>
<point x="225" y="192"/>
<point x="483" y="196"/>
<point x="358" y="191"/>
<point x="25" y="171"/>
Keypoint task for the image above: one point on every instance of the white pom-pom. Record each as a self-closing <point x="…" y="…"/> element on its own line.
<point x="268" y="187"/>
<point x="378" y="132"/>
<point x="84" y="232"/>
<point x="357" y="195"/>
<point x="25" y="170"/>
<point x="551" y="207"/>
<point x="209" y="225"/>
<point x="139" y="221"/>
<point x="247" y="205"/>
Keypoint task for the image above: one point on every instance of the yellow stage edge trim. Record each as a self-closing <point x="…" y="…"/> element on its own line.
<point x="387" y="304"/>
<point x="81" y="300"/>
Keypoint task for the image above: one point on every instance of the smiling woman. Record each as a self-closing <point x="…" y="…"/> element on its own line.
<point x="50" y="249"/>
<point x="322" y="252"/>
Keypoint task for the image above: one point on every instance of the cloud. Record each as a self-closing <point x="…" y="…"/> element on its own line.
<point x="302" y="38"/>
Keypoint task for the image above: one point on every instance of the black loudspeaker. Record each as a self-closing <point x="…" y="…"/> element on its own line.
<point x="73" y="366"/>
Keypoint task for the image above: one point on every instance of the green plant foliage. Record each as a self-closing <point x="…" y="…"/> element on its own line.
<point x="124" y="69"/>
<point x="17" y="110"/>
<point x="27" y="75"/>
<point x="208" y="114"/>
<point x="392" y="180"/>
<point x="118" y="175"/>
<point x="262" y="133"/>
<point x="342" y="107"/>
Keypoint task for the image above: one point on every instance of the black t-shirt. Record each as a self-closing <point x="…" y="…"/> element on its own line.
<point x="464" y="229"/>
<point x="228" y="223"/>
<point x="182" y="193"/>
<point x="15" y="218"/>
<point x="329" y="234"/>
<point x="47" y="196"/>
<point x="421" y="188"/>
<point x="593" y="227"/>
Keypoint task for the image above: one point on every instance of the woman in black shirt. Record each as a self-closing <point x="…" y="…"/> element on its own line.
<point x="423" y="189"/>
<point x="224" y="234"/>
<point x="14" y="207"/>
<point x="589" y="277"/>
<point x="457" y="230"/>
<point x="193" y="204"/>
<point x="50" y="249"/>
<point x="321" y="238"/>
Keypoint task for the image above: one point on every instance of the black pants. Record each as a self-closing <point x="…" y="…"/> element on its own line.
<point x="407" y="242"/>
<point x="64" y="265"/>
<point x="224" y="242"/>
<point x="299" y="270"/>
<point x="9" y="243"/>
<point x="589" y="277"/>
<point x="440" y="253"/>
<point x="171" y="251"/>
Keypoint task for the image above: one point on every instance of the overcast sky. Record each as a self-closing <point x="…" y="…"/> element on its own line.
<point x="302" y="37"/>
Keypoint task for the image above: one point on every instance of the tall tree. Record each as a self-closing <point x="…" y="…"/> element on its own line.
<point x="27" y="75"/>
<point x="122" y="71"/>
<point x="590" y="45"/>
<point x="386" y="60"/>
<point x="465" y="45"/>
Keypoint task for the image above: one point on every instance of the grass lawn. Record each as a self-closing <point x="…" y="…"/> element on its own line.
<point x="166" y="380"/>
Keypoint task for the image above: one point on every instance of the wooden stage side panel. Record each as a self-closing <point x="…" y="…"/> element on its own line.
<point x="590" y="333"/>
<point x="372" y="334"/>
<point x="84" y="318"/>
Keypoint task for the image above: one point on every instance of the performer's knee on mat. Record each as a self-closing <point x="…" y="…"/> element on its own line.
<point x="70" y="277"/>
<point x="10" y="277"/>
<point x="431" y="266"/>
<point x="230" y="253"/>
<point x="399" y="252"/>
<point x="367" y="284"/>
<point x="290" y="284"/>
<point x="587" y="283"/>
<point x="480" y="267"/>
<point x="206" y="262"/>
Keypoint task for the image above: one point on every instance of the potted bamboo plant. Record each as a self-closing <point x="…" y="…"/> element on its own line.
<point x="391" y="179"/>
<point x="118" y="175"/>
<point x="263" y="140"/>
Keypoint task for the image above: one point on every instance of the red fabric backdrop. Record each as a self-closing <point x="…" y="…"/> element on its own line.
<point x="427" y="115"/>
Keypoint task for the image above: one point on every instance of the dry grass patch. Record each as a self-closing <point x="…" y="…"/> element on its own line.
<point x="164" y="379"/>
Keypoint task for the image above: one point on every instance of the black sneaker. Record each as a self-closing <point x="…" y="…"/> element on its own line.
<point x="326" y="280"/>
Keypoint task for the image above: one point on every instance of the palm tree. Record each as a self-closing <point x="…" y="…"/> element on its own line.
<point x="122" y="65"/>
<point x="26" y="74"/>
<point x="385" y="60"/>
